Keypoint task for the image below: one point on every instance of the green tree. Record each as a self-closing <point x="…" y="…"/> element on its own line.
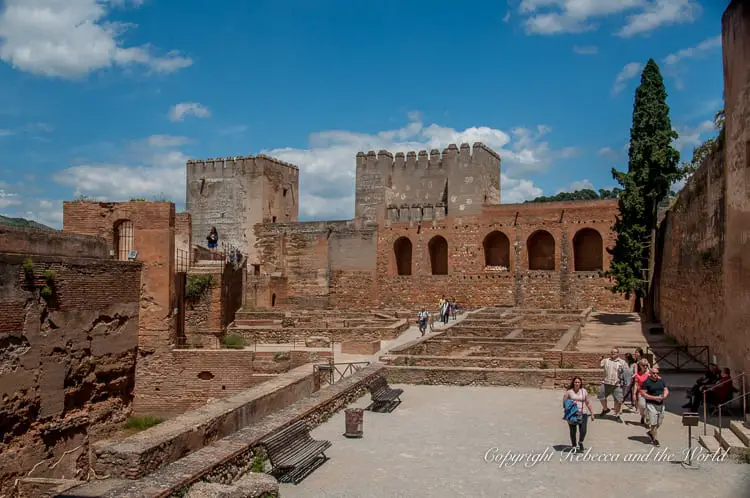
<point x="653" y="166"/>
<point x="703" y="150"/>
<point x="580" y="195"/>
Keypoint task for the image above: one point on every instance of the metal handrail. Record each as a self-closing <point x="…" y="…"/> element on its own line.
<point x="743" y="396"/>
<point x="741" y="375"/>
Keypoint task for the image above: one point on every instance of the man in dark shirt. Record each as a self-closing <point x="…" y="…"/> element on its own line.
<point x="695" y="393"/>
<point x="654" y="390"/>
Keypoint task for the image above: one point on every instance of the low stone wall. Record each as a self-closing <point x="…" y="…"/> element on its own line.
<point x="360" y="347"/>
<point x="297" y="334"/>
<point x="226" y="460"/>
<point x="464" y="361"/>
<point x="456" y="376"/>
<point x="169" y="441"/>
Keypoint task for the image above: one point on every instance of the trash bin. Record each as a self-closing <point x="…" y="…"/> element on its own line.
<point x="354" y="417"/>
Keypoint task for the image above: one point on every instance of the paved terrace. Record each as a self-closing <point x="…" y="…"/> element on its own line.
<point x="434" y="444"/>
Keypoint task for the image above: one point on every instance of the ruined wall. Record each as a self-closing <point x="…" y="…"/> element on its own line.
<point x="234" y="194"/>
<point x="689" y="276"/>
<point x="458" y="182"/>
<point x="736" y="43"/>
<point x="208" y="315"/>
<point x="315" y="264"/>
<point x="183" y="232"/>
<point x="67" y="362"/>
<point x="34" y="241"/>
<point x="154" y="239"/>
<point x="512" y="282"/>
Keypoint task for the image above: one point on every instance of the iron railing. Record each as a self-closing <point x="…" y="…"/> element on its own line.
<point x="337" y="371"/>
<point x="719" y="407"/>
<point x="671" y="356"/>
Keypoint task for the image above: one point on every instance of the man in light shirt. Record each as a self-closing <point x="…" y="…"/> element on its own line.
<point x="612" y="386"/>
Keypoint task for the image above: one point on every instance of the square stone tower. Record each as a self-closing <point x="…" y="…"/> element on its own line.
<point x="236" y="193"/>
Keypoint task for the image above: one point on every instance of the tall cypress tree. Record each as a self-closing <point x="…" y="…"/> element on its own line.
<point x="653" y="166"/>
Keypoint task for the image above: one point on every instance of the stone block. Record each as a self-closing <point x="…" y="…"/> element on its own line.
<point x="316" y="341"/>
<point x="251" y="485"/>
<point x="360" y="347"/>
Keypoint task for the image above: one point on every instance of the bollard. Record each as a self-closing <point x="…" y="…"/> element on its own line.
<point x="354" y="418"/>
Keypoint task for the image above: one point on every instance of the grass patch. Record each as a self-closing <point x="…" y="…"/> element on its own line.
<point x="234" y="341"/>
<point x="142" y="423"/>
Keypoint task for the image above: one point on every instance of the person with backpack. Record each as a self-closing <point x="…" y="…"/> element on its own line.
<point x="577" y="411"/>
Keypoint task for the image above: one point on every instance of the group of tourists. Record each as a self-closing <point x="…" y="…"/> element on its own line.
<point x="634" y="381"/>
<point x="447" y="308"/>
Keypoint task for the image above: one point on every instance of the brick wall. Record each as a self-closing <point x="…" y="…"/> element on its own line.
<point x="154" y="240"/>
<point x="702" y="290"/>
<point x="183" y="232"/>
<point x="208" y="315"/>
<point x="689" y="277"/>
<point x="736" y="295"/>
<point x="67" y="365"/>
<point x="340" y="264"/>
<point x="34" y="241"/>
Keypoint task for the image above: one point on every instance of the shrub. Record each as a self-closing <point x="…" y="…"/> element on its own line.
<point x="196" y="285"/>
<point x="234" y="341"/>
<point x="143" y="422"/>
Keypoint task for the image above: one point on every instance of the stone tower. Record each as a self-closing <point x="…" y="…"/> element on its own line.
<point x="457" y="182"/>
<point x="236" y="193"/>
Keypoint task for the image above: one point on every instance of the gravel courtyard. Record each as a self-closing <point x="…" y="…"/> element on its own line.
<point x="437" y="443"/>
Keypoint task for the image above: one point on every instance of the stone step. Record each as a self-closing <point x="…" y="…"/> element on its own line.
<point x="729" y="441"/>
<point x="742" y="431"/>
<point x="256" y="322"/>
<point x="261" y="315"/>
<point x="710" y="443"/>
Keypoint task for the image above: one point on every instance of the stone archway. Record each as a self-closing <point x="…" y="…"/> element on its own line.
<point x="541" y="249"/>
<point x="496" y="249"/>
<point x="588" y="250"/>
<point x="438" y="248"/>
<point x="402" y="251"/>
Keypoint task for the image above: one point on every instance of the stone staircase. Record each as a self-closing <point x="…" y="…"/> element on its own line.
<point x="204" y="266"/>
<point x="735" y="439"/>
<point x="257" y="319"/>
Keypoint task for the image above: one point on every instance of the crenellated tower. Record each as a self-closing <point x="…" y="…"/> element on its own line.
<point x="235" y="193"/>
<point x="458" y="183"/>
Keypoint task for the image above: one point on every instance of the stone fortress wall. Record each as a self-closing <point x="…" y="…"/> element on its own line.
<point x="422" y="185"/>
<point x="235" y="193"/>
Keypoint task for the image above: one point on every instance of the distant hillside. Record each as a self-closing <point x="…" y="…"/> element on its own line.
<point x="22" y="222"/>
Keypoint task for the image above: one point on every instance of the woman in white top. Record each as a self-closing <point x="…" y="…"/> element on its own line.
<point x="577" y="393"/>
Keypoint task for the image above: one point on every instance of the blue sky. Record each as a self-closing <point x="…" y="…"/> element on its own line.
<point x="109" y="98"/>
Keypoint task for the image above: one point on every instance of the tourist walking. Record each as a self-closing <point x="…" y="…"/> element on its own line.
<point x="577" y="396"/>
<point x="641" y="374"/>
<point x="655" y="391"/>
<point x="612" y="385"/>
<point x="422" y="320"/>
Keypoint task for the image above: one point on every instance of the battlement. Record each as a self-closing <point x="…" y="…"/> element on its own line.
<point x="234" y="162"/>
<point x="433" y="159"/>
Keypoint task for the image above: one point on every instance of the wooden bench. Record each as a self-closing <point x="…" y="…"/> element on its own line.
<point x="384" y="398"/>
<point x="293" y="453"/>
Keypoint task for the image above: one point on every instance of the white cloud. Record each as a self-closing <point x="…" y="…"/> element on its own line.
<point x="71" y="38"/>
<point x="661" y="13"/>
<point x="628" y="72"/>
<point x="699" y="50"/>
<point x="578" y="185"/>
<point x="607" y="152"/>
<point x="46" y="212"/>
<point x="586" y="49"/>
<point x="8" y="199"/>
<point x="167" y="141"/>
<point x="506" y="19"/>
<point x="551" y="17"/>
<point x="178" y="112"/>
<point x="692" y="136"/>
<point x="6" y="133"/>
<point x="327" y="166"/>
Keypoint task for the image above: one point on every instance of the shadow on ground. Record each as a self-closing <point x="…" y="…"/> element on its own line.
<point x="613" y="318"/>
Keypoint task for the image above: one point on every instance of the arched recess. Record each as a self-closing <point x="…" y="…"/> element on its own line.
<point x="496" y="249"/>
<point x="438" y="248"/>
<point x="123" y="239"/>
<point x="588" y="250"/>
<point x="402" y="251"/>
<point x="541" y="248"/>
